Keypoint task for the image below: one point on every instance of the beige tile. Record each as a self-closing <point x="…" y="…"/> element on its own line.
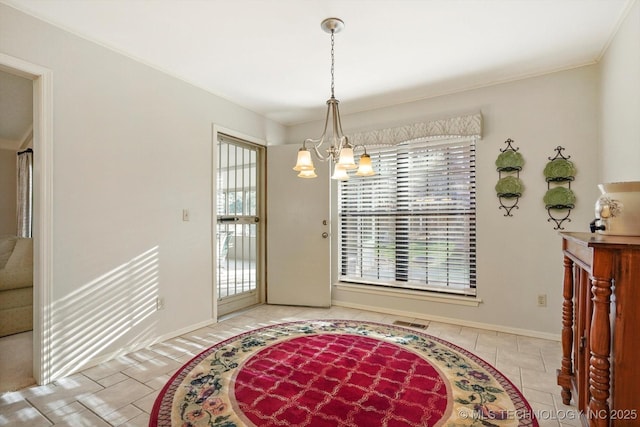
<point x="141" y="420"/>
<point x="75" y="414"/>
<point x="569" y="415"/>
<point x="486" y="353"/>
<point x="62" y="393"/>
<point x="115" y="397"/>
<point x="20" y="413"/>
<point x="498" y="340"/>
<point x="541" y="381"/>
<point x="142" y="355"/>
<point x="123" y="415"/>
<point x="112" y="379"/>
<point x="466" y="342"/>
<point x="436" y="329"/>
<point x="514" y="377"/>
<point x="108" y="368"/>
<point x="178" y="347"/>
<point x="552" y="359"/>
<point x="538" y="396"/>
<point x="122" y="391"/>
<point x="146" y="403"/>
<point x="522" y="360"/>
<point x="535" y="345"/>
<point x="158" y="382"/>
<point x="545" y="414"/>
<point x="150" y="369"/>
<point x="466" y="330"/>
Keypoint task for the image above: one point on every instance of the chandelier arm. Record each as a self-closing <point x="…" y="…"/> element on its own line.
<point x="338" y="136"/>
<point x="319" y="155"/>
<point x="340" y="150"/>
<point x="357" y="147"/>
<point x="337" y="126"/>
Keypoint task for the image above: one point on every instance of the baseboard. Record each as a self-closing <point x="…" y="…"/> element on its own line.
<point x="453" y="321"/>
<point x="140" y="345"/>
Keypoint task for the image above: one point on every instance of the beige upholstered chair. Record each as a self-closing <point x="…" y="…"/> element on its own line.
<point x="16" y="285"/>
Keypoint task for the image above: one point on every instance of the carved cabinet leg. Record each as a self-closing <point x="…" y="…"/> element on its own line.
<point x="566" y="370"/>
<point x="600" y="342"/>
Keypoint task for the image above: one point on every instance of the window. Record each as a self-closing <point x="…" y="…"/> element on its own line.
<point x="413" y="225"/>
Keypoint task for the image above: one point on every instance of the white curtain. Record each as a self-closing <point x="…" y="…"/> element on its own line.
<point x="25" y="193"/>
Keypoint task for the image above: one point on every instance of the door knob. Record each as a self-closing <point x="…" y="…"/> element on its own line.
<point x="325" y="235"/>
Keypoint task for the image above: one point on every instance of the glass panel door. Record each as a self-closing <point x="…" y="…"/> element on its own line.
<point x="238" y="232"/>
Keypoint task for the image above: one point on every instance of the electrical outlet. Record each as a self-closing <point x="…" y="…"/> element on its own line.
<point x="542" y="300"/>
<point x="159" y="303"/>
<point x="185" y="214"/>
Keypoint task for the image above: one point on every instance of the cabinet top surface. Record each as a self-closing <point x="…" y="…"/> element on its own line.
<point x="592" y="239"/>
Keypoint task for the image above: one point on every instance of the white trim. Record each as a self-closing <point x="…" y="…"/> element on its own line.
<point x="616" y="30"/>
<point x="252" y="139"/>
<point x="410" y="294"/>
<point x="42" y="205"/>
<point x="216" y="129"/>
<point x="27" y="138"/>
<point x="453" y="321"/>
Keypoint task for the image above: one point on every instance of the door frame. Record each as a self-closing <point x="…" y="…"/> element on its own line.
<point x="42" y="207"/>
<point x="260" y="259"/>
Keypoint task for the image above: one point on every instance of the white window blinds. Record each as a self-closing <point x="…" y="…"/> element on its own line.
<point x="413" y="225"/>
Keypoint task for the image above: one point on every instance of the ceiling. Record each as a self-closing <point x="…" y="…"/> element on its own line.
<point x="273" y="58"/>
<point x="16" y="111"/>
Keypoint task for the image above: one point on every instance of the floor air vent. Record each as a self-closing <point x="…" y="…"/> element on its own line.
<point x="413" y="325"/>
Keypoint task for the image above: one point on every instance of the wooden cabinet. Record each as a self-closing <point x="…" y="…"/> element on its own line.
<point x="601" y="328"/>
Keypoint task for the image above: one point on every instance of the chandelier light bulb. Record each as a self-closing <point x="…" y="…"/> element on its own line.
<point x="365" y="168"/>
<point x="345" y="159"/>
<point x="308" y="174"/>
<point x="304" y="163"/>
<point x="339" y="173"/>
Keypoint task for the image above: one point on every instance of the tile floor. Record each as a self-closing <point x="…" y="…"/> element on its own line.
<point x="121" y="392"/>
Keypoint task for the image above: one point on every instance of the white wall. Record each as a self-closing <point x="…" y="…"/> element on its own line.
<point x="620" y="103"/>
<point x="518" y="257"/>
<point x="8" y="223"/>
<point x="132" y="147"/>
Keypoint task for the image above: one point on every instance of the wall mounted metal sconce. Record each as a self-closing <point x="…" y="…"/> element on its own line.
<point x="559" y="199"/>
<point x="509" y="187"/>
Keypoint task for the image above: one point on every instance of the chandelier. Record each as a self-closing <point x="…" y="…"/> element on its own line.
<point x="341" y="151"/>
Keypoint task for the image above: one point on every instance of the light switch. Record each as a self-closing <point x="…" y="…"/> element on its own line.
<point x="185" y="214"/>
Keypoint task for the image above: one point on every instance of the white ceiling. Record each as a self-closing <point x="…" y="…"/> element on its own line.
<point x="271" y="56"/>
<point x="16" y="111"/>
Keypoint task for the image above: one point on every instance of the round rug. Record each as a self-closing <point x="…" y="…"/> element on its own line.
<point x="333" y="379"/>
<point x="338" y="373"/>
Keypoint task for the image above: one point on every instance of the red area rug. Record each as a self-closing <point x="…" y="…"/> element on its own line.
<point x="338" y="373"/>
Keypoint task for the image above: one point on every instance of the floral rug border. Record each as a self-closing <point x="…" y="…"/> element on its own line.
<point x="469" y="410"/>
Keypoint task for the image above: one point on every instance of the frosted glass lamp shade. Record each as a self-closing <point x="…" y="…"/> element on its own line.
<point x="339" y="173"/>
<point x="365" y="168"/>
<point x="346" y="159"/>
<point x="304" y="162"/>
<point x="308" y="174"/>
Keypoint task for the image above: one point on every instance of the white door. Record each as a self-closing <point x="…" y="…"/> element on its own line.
<point x="298" y="232"/>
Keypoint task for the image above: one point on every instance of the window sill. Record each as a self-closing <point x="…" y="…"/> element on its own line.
<point x="411" y="294"/>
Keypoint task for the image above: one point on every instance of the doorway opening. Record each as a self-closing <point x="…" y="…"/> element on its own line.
<point x="239" y="224"/>
<point x="42" y="131"/>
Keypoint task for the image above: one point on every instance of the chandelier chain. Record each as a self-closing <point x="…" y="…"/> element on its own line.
<point x="332" y="65"/>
